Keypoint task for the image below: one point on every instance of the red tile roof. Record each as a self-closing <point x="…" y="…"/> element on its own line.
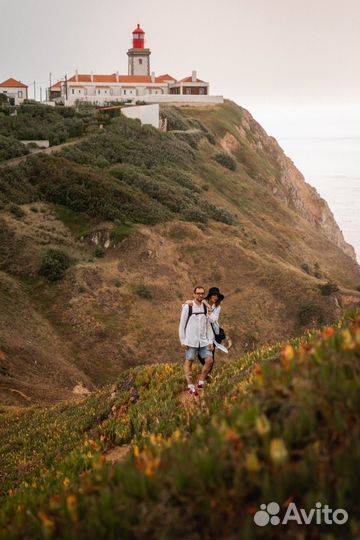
<point x="189" y="79"/>
<point x="12" y="83"/>
<point x="164" y="78"/>
<point x="135" y="78"/>
<point x="121" y="78"/>
<point x="96" y="78"/>
<point x="57" y="85"/>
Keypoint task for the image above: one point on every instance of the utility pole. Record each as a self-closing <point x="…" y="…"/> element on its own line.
<point x="34" y="91"/>
<point x="49" y="91"/>
<point x="40" y="93"/>
<point x="66" y="88"/>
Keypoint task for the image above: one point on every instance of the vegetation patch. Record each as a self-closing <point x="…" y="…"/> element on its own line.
<point x="224" y="159"/>
<point x="328" y="288"/>
<point x="11" y="148"/>
<point x="280" y="424"/>
<point x="16" y="211"/>
<point x="120" y="232"/>
<point x="54" y="264"/>
<point x="99" y="252"/>
<point x="36" y="121"/>
<point x="310" y="314"/>
<point x="144" y="292"/>
<point x="78" y="222"/>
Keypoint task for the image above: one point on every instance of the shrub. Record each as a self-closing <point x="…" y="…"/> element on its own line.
<point x="54" y="264"/>
<point x="305" y="267"/>
<point x="225" y="160"/>
<point x="11" y="148"/>
<point x="17" y="211"/>
<point x="328" y="288"/>
<point x="310" y="314"/>
<point x="99" y="252"/>
<point x="144" y="292"/>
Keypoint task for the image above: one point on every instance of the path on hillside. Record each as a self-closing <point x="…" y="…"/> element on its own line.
<point x="51" y="150"/>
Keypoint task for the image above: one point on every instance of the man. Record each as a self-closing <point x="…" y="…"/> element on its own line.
<point x="194" y="338"/>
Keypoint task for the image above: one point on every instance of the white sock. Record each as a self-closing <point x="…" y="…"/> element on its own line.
<point x="191" y="386"/>
<point x="201" y="382"/>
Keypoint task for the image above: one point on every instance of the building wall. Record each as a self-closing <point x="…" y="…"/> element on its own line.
<point x="178" y="98"/>
<point x="139" y="62"/>
<point x="14" y="93"/>
<point x="93" y="93"/>
<point x="147" y="114"/>
<point x="195" y="90"/>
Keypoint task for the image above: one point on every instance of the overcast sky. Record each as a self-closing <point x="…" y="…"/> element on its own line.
<point x="284" y="60"/>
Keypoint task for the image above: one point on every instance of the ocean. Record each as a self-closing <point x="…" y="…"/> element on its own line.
<point x="332" y="166"/>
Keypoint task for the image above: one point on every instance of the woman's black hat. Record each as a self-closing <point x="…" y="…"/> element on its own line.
<point x="215" y="290"/>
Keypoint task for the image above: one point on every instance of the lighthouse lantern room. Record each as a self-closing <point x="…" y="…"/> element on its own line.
<point x="139" y="56"/>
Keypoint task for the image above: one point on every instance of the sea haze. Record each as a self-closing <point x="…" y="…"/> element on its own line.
<point x="332" y="166"/>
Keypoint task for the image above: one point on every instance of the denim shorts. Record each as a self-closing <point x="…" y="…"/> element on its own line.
<point x="192" y="352"/>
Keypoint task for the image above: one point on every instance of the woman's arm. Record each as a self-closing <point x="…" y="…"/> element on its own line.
<point x="214" y="315"/>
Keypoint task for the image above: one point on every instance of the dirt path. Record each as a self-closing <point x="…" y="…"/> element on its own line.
<point x="117" y="454"/>
<point x="190" y="403"/>
<point x="51" y="150"/>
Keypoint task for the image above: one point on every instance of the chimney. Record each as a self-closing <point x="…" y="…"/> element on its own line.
<point x="91" y="76"/>
<point x="76" y="76"/>
<point x="153" y="76"/>
<point x="117" y="76"/>
<point x="193" y="76"/>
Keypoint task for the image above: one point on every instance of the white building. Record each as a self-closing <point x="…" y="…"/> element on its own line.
<point x="140" y="84"/>
<point x="14" y="89"/>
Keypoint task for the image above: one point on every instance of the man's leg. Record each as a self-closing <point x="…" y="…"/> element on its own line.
<point x="207" y="356"/>
<point x="188" y="371"/>
<point x="188" y="363"/>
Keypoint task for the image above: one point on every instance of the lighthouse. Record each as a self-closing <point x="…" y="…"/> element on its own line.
<point x="139" y="56"/>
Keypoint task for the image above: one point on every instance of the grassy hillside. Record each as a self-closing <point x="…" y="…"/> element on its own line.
<point x="140" y="217"/>
<point x="138" y="460"/>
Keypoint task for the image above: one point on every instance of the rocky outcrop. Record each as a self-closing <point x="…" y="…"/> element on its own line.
<point x="291" y="185"/>
<point x="308" y="202"/>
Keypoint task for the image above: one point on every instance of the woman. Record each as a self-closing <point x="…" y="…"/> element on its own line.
<point x="216" y="334"/>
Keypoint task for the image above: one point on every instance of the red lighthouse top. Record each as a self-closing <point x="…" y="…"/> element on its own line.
<point x="138" y="38"/>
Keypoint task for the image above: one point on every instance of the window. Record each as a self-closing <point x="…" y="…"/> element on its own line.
<point x="20" y="94"/>
<point x="98" y="91"/>
<point x="72" y="91"/>
<point x="124" y="92"/>
<point x="188" y="90"/>
<point x="201" y="90"/>
<point x="140" y="60"/>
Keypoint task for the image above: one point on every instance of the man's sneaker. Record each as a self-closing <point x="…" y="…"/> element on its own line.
<point x="200" y="388"/>
<point x="192" y="391"/>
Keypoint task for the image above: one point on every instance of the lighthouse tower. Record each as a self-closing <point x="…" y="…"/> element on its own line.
<point x="139" y="57"/>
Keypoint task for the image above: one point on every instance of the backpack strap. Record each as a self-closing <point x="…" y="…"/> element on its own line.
<point x="190" y="312"/>
<point x="188" y="317"/>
